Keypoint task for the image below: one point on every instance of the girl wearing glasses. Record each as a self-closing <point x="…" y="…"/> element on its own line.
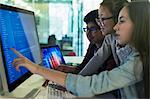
<point x="108" y="14"/>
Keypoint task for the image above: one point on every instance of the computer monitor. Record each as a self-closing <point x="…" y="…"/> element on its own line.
<point x="17" y="30"/>
<point x="52" y="57"/>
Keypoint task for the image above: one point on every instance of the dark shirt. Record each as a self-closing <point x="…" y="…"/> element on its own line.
<point x="89" y="54"/>
<point x="108" y="64"/>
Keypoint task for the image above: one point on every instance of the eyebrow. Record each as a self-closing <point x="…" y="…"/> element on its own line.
<point x="122" y="17"/>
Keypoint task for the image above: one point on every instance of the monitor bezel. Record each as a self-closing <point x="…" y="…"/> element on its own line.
<point x="19" y="81"/>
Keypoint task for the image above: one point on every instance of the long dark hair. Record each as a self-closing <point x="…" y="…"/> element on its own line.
<point x="114" y="7"/>
<point x="139" y="14"/>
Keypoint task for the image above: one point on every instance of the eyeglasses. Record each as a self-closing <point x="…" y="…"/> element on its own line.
<point x="91" y="30"/>
<point x="100" y="21"/>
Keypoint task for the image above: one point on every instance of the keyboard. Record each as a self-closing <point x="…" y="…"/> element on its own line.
<point x="54" y="93"/>
<point x="56" y="86"/>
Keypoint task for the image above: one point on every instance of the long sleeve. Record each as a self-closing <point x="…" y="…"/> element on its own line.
<point x="88" y="56"/>
<point x="122" y="76"/>
<point x="99" y="58"/>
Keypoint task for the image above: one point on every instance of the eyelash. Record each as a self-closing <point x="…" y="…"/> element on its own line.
<point x="121" y="21"/>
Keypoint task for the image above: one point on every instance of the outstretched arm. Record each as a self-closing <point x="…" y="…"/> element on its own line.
<point x="56" y="76"/>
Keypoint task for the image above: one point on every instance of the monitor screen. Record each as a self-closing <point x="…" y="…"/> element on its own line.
<point x="52" y="57"/>
<point x="18" y="30"/>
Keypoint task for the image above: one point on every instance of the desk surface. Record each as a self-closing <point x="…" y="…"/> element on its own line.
<point x="73" y="59"/>
<point x="35" y="81"/>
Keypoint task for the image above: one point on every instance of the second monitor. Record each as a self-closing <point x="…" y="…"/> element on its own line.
<point x="52" y="57"/>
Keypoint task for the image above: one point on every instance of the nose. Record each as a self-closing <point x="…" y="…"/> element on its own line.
<point x="116" y="28"/>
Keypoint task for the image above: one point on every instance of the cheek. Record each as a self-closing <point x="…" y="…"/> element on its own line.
<point x="109" y="25"/>
<point x="126" y="34"/>
<point x="88" y="35"/>
<point x="106" y="23"/>
<point x="98" y="35"/>
<point x="94" y="34"/>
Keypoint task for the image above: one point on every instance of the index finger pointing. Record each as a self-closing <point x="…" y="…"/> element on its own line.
<point x="17" y="52"/>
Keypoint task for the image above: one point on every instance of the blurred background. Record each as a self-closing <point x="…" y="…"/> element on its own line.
<point x="63" y="19"/>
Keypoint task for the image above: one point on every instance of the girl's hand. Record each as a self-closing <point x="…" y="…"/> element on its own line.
<point x="23" y="61"/>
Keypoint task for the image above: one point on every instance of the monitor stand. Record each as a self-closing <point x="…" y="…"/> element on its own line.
<point x="28" y="89"/>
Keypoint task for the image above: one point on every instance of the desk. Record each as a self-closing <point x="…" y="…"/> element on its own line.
<point x="73" y="59"/>
<point x="35" y="81"/>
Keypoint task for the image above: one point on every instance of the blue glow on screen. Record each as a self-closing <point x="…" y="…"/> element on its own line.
<point x="13" y="34"/>
<point x="52" y="57"/>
